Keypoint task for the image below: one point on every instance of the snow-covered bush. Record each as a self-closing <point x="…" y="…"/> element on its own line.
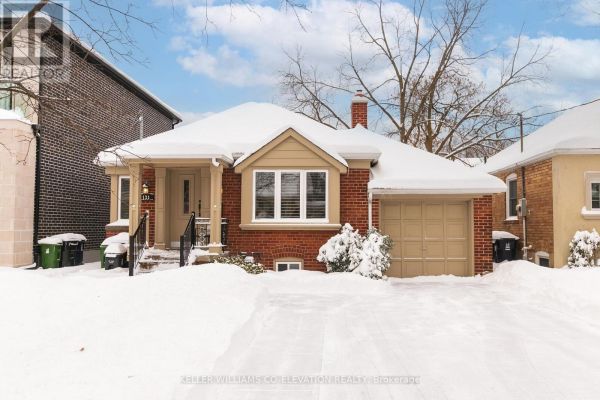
<point x="583" y="248"/>
<point x="240" y="261"/>
<point x="341" y="252"/>
<point x="348" y="251"/>
<point x="374" y="255"/>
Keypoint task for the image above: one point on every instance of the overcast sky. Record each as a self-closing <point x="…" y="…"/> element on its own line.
<point x="200" y="69"/>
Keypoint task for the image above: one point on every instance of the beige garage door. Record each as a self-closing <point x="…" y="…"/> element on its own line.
<point x="430" y="238"/>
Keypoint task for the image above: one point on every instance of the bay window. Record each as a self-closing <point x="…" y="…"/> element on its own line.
<point x="289" y="195"/>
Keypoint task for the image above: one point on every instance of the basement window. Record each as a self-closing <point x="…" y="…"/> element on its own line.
<point x="281" y="266"/>
<point x="542" y="259"/>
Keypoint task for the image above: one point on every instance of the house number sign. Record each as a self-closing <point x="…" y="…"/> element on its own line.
<point x="147" y="196"/>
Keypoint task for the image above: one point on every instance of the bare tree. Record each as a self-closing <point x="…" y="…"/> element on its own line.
<point x="417" y="70"/>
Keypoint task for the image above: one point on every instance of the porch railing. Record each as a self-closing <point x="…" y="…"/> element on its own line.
<point x="187" y="240"/>
<point x="137" y="245"/>
<point x="203" y="232"/>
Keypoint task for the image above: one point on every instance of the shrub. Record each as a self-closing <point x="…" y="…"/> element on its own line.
<point x="348" y="251"/>
<point x="340" y="253"/>
<point x="374" y="255"/>
<point x="240" y="261"/>
<point x="583" y="248"/>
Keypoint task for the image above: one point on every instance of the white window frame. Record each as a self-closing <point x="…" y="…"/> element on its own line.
<point x="542" y="254"/>
<point x="590" y="178"/>
<point x="279" y="262"/>
<point x="277" y="215"/>
<point x="121" y="177"/>
<point x="512" y="177"/>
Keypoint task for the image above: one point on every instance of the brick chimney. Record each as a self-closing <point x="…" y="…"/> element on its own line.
<point x="359" y="109"/>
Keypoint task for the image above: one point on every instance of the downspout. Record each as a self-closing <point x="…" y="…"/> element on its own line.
<point x="523" y="205"/>
<point x="370" y="208"/>
<point x="36" y="194"/>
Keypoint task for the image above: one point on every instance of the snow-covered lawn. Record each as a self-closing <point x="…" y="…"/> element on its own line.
<point x="524" y="332"/>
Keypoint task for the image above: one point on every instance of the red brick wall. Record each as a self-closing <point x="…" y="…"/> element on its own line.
<point x="482" y="229"/>
<point x="300" y="244"/>
<point x="149" y="178"/>
<point x="540" y="231"/>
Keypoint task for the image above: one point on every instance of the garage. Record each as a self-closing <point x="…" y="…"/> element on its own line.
<point x="430" y="237"/>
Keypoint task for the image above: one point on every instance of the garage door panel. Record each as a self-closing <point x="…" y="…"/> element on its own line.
<point x="456" y="267"/>
<point x="412" y="268"/>
<point x="456" y="211"/>
<point x="412" y="230"/>
<point x="395" y="268"/>
<point x="456" y="250"/>
<point x="412" y="211"/>
<point x="434" y="268"/>
<point x="392" y="211"/>
<point x="393" y="229"/>
<point x="434" y="230"/>
<point x="412" y="249"/>
<point x="434" y="211"/>
<point x="456" y="230"/>
<point x="435" y="250"/>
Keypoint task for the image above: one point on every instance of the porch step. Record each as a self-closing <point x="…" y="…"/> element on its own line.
<point x="154" y="259"/>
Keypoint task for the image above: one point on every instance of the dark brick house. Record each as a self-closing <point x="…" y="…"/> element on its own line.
<point x="96" y="106"/>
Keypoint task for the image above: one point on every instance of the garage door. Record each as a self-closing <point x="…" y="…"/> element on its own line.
<point x="430" y="238"/>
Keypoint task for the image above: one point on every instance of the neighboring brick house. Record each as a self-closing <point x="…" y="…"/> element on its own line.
<point x="96" y="107"/>
<point x="561" y="166"/>
<point x="281" y="184"/>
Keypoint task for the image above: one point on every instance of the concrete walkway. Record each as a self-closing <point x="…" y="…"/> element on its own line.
<point x="462" y="340"/>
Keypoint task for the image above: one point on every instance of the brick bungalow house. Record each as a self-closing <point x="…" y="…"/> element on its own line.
<point x="558" y="173"/>
<point x="285" y="183"/>
<point x="96" y="106"/>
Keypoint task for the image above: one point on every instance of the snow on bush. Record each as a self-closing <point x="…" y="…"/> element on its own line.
<point x="374" y="255"/>
<point x="242" y="262"/>
<point x="341" y="252"/>
<point x="348" y="251"/>
<point x="583" y="247"/>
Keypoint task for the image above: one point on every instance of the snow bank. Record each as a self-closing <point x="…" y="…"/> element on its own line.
<point x="78" y="337"/>
<point x="567" y="289"/>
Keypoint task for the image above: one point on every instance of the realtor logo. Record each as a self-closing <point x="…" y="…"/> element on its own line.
<point x="35" y="42"/>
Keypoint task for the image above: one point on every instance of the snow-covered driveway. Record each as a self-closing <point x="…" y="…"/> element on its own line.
<point x="462" y="338"/>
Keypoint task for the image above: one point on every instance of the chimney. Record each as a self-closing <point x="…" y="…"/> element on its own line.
<point x="359" y="109"/>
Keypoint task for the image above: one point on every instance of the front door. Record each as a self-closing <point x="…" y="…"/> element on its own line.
<point x="183" y="202"/>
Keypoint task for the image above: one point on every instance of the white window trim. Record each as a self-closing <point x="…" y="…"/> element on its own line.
<point x="277" y="199"/>
<point x="541" y="254"/>
<point x="590" y="177"/>
<point x="119" y="196"/>
<point x="277" y="263"/>
<point x="510" y="178"/>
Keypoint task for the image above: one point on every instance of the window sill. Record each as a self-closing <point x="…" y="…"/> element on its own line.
<point x="590" y="214"/>
<point x="282" y="226"/>
<point x="512" y="219"/>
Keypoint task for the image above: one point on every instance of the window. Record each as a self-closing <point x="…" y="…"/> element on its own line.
<point x="123" y="197"/>
<point x="595" y="195"/>
<point x="591" y="209"/>
<point x="511" y="197"/>
<point x="542" y="259"/>
<point x="287" y="265"/>
<point x="290" y="195"/>
<point x="186" y="196"/>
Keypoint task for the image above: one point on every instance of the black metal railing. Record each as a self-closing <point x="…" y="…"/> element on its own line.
<point x="203" y="232"/>
<point x="187" y="240"/>
<point x="137" y="245"/>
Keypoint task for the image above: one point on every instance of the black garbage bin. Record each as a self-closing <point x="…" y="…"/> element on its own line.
<point x="115" y="260"/>
<point x="73" y="252"/>
<point x="505" y="246"/>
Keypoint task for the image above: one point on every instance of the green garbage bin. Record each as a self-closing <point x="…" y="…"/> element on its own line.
<point x="102" y="255"/>
<point x="51" y="255"/>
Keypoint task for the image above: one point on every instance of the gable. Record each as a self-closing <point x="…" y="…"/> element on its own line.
<point x="290" y="150"/>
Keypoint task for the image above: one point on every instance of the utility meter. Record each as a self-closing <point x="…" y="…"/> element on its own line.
<point x="522" y="207"/>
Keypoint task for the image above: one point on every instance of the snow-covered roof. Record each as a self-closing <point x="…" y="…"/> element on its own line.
<point x="577" y="131"/>
<point x="239" y="131"/>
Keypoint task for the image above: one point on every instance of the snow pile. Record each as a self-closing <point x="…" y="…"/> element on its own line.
<point x="74" y="336"/>
<point x="498" y="235"/>
<point x="116" y="248"/>
<point x="570" y="290"/>
<point x="582" y="249"/>
<point x="64" y="237"/>
<point x="122" y="238"/>
<point x="348" y="251"/>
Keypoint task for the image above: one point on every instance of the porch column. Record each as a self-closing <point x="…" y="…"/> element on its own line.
<point x="135" y="191"/>
<point x="216" y="180"/>
<point x="159" y="207"/>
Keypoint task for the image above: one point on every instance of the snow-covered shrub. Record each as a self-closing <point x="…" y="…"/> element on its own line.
<point x="583" y="247"/>
<point x="374" y="255"/>
<point x="348" y="251"/>
<point x="341" y="252"/>
<point x="240" y="261"/>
